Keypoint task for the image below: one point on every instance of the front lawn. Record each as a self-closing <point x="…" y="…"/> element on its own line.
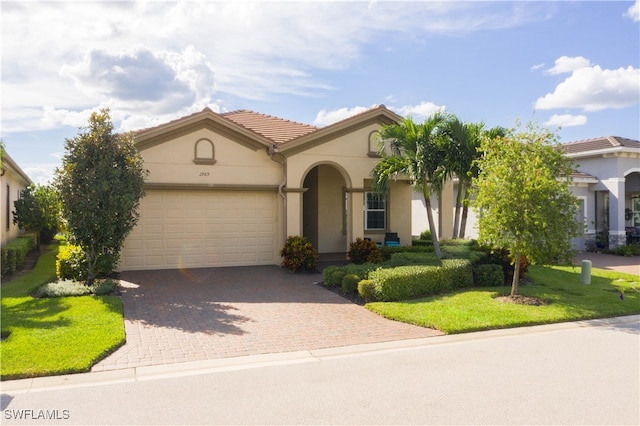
<point x="568" y="300"/>
<point x="50" y="336"/>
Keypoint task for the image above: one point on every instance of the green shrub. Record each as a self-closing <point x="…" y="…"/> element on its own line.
<point x="334" y="278"/>
<point x="422" y="243"/>
<point x="299" y="255"/>
<point x="3" y="262"/>
<point x="425" y="235"/>
<point x="66" y="288"/>
<point x="628" y="250"/>
<point x="333" y="275"/>
<point x="71" y="263"/>
<point x="488" y="275"/>
<point x="409" y="258"/>
<point x="350" y="283"/>
<point x="503" y="258"/>
<point x="326" y="273"/>
<point x="104" y="287"/>
<point x="362" y="251"/>
<point x="407" y="282"/>
<point x="367" y="290"/>
<point x="387" y="251"/>
<point x="63" y="288"/>
<point x="16" y="251"/>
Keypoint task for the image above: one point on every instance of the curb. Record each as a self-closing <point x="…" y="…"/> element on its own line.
<point x="155" y="372"/>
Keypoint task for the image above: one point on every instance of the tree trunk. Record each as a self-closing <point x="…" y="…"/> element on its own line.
<point x="516" y="275"/>
<point x="465" y="212"/>
<point x="456" y="214"/>
<point x="432" y="227"/>
<point x="92" y="260"/>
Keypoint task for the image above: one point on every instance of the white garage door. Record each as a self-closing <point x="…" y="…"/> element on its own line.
<point x="195" y="229"/>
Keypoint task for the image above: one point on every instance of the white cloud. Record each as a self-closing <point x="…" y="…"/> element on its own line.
<point x="565" y="64"/>
<point x="421" y="111"/>
<point x="158" y="81"/>
<point x="75" y="56"/>
<point x="566" y="120"/>
<point x="417" y="112"/>
<point x="41" y="173"/>
<point x="595" y="89"/>
<point x="537" y="66"/>
<point x="324" y="117"/>
<point x="634" y="12"/>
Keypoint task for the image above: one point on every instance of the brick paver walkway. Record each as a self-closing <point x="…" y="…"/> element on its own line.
<point x="190" y="315"/>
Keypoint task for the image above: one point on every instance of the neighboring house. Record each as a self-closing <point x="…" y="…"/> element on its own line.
<point x="227" y="189"/>
<point x="608" y="186"/>
<point x="12" y="181"/>
<point x="607" y="183"/>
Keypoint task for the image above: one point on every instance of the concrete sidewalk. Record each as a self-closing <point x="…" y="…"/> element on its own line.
<point x="628" y="265"/>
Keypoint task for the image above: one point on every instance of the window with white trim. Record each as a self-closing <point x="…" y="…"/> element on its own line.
<point x="375" y="211"/>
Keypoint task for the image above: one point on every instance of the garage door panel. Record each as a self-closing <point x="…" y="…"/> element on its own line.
<point x="202" y="229"/>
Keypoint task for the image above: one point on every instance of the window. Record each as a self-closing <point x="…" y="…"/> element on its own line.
<point x="375" y="211"/>
<point x="7" y="207"/>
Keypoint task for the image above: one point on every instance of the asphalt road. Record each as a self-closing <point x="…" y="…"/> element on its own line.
<point x="575" y="373"/>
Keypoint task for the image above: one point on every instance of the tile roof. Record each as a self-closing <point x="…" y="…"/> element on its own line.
<point x="276" y="129"/>
<point x="597" y="144"/>
<point x="269" y="128"/>
<point x="577" y="175"/>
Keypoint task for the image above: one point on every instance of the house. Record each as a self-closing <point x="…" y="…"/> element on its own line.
<point x="12" y="181"/>
<point x="606" y="182"/>
<point x="227" y="189"/>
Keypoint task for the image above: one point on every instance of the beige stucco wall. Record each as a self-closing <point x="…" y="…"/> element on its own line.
<point x="347" y="153"/>
<point x="343" y="162"/>
<point x="236" y="164"/>
<point x="12" y="182"/>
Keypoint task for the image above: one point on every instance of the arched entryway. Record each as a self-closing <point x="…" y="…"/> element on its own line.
<point x="324" y="209"/>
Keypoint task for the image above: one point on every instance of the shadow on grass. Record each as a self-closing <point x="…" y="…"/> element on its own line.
<point x="33" y="314"/>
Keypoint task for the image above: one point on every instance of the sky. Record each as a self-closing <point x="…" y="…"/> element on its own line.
<point x="568" y="65"/>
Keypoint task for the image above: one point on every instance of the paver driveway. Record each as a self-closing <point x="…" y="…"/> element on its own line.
<point x="197" y="314"/>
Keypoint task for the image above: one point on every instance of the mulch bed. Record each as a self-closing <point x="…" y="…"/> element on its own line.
<point x="353" y="298"/>
<point x="522" y="300"/>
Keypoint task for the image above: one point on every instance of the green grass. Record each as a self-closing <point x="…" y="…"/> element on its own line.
<point x="52" y="336"/>
<point x="477" y="309"/>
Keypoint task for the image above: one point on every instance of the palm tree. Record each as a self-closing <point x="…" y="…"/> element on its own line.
<point x="463" y="141"/>
<point x="473" y="172"/>
<point x="417" y="152"/>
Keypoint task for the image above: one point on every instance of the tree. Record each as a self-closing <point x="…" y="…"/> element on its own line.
<point x="417" y="152"/>
<point x="464" y="141"/>
<point x="492" y="133"/>
<point x="38" y="210"/>
<point x="100" y="185"/>
<point x="524" y="201"/>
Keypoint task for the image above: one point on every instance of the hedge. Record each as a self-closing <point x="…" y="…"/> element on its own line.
<point x="333" y="275"/>
<point x="407" y="282"/>
<point x="488" y="275"/>
<point x="14" y="254"/>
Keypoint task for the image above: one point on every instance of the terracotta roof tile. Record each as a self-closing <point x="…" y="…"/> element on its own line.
<point x="276" y="129"/>
<point x="597" y="144"/>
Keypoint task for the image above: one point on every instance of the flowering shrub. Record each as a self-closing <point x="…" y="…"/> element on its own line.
<point x="298" y="254"/>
